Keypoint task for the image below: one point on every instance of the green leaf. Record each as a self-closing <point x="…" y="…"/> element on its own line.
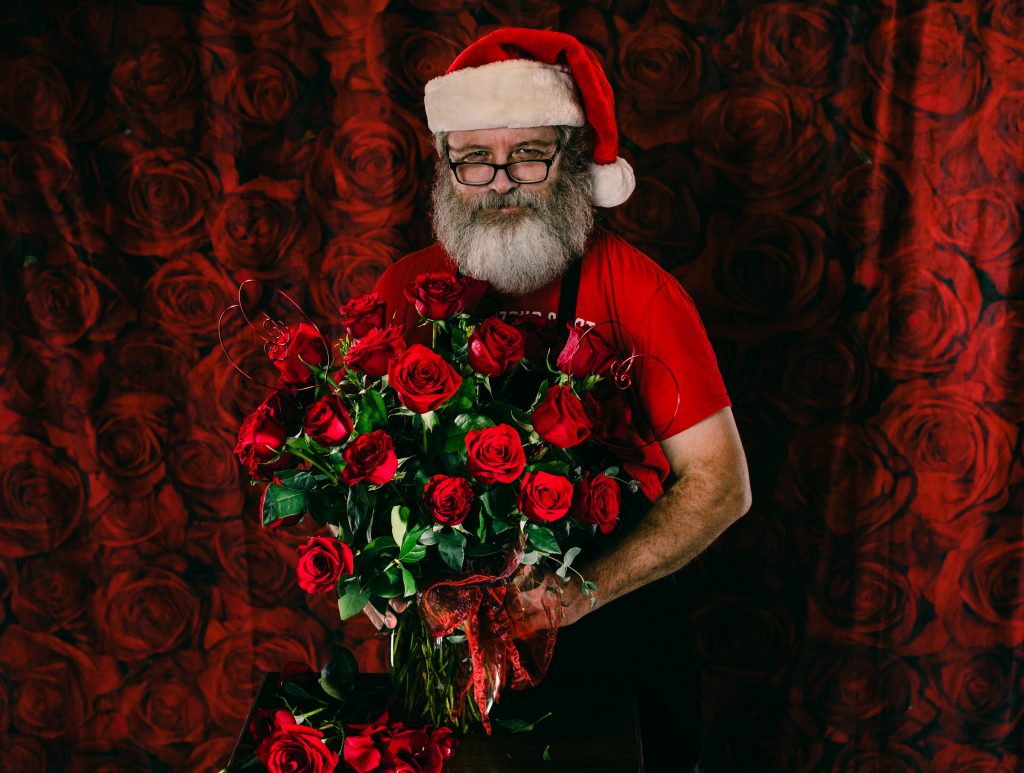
<point x="387" y="585"/>
<point x="280" y="502"/>
<point x="428" y="537"/>
<point x="530" y="558"/>
<point x="331" y="690"/>
<point x="379" y="412"/>
<point x="399" y="523"/>
<point x="351" y="604"/>
<point x="520" y="725"/>
<point x="412" y="551"/>
<point x="298" y="692"/>
<point x="542" y="538"/>
<point x="429" y="420"/>
<point x="378" y="546"/>
<point x="498" y="501"/>
<point x="409" y="583"/>
<point x="567" y="559"/>
<point x="611" y="472"/>
<point x="546" y="754"/>
<point x="451" y="545"/>
<point x="340" y="671"/>
<point x="301" y="480"/>
<point x="358" y="507"/>
<point x="468" y="421"/>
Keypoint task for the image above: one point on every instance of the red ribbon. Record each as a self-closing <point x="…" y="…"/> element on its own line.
<point x="507" y="644"/>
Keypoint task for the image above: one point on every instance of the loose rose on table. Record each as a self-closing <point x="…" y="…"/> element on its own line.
<point x="291" y="747"/>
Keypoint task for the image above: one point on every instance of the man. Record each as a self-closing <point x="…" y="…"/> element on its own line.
<point x="523" y="122"/>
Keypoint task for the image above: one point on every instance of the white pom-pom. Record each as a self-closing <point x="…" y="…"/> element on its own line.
<point x="613" y="183"/>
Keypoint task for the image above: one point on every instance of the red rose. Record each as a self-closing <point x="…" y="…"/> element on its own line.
<point x="448" y="499"/>
<point x="365" y="173"/>
<point x="57" y="685"/>
<point x="362" y="314"/>
<point x="205" y="474"/>
<point x="302" y="344"/>
<point x="157" y="196"/>
<point x="495" y="454"/>
<point x="975" y="692"/>
<point x="422" y="379"/>
<point x="785" y="130"/>
<point x="165" y="710"/>
<point x="262" y="436"/>
<point x="131" y="430"/>
<point x="977" y="594"/>
<point x="659" y="73"/>
<point x="293" y="748"/>
<point x="255" y="566"/>
<point x="158" y="90"/>
<point x="437" y="295"/>
<point x="370" y="457"/>
<point x="51" y="592"/>
<point x="148" y="610"/>
<point x="960" y="451"/>
<point x="867" y="203"/>
<point x="373" y="353"/>
<point x="585" y="352"/>
<point x="350" y="266"/>
<point x="597" y="501"/>
<point x="42" y="497"/>
<point x="560" y="418"/>
<point x="327" y="421"/>
<point x="187" y="296"/>
<point x="263" y="228"/>
<point x="545" y="497"/>
<point x="495" y="347"/>
<point x="322" y="562"/>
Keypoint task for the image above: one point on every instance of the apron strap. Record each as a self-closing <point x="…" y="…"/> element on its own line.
<point x="569" y="293"/>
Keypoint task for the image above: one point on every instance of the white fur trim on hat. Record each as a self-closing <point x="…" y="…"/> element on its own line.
<point x="511" y="94"/>
<point x="612" y="183"/>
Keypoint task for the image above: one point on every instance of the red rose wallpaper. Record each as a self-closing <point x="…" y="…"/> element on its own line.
<point x="838" y="185"/>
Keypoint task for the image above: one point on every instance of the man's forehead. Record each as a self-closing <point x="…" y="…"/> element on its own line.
<point x="490" y="138"/>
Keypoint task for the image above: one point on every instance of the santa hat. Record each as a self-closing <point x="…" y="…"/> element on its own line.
<point x="518" y="78"/>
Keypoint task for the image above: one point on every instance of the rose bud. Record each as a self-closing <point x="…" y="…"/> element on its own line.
<point x="374" y="352"/>
<point x="448" y="499"/>
<point x="585" y="352"/>
<point x="494" y="347"/>
<point x="262" y="724"/>
<point x="370" y="457"/>
<point x="423" y="379"/>
<point x="293" y="747"/>
<point x="437" y="295"/>
<point x="560" y="418"/>
<point x="545" y="497"/>
<point x="597" y="501"/>
<point x="495" y="454"/>
<point x="302" y="344"/>
<point x="363" y="314"/>
<point x="262" y="436"/>
<point x="327" y="421"/>
<point x="322" y="562"/>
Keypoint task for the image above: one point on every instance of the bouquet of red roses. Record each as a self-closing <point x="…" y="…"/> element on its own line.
<point x="450" y="476"/>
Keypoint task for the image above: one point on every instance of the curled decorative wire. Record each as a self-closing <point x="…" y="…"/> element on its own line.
<point x="275" y="334"/>
<point x="622" y="372"/>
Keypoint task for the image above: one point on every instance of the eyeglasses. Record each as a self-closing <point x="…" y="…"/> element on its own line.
<point x="534" y="170"/>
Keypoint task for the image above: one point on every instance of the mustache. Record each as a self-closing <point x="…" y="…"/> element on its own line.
<point x="516" y="197"/>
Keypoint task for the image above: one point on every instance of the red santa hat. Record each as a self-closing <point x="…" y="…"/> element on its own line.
<point x="518" y="78"/>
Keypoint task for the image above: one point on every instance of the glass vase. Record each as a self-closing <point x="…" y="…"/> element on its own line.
<point x="431" y="677"/>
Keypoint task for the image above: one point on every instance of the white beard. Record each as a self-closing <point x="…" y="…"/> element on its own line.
<point x="520" y="252"/>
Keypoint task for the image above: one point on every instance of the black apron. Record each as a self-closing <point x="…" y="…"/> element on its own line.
<point x="642" y="641"/>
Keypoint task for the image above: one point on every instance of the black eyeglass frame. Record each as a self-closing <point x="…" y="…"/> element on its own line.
<point x="453" y="165"/>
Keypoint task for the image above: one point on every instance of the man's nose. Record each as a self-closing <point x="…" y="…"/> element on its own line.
<point x="502" y="183"/>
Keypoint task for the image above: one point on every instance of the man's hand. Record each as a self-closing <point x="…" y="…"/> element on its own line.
<point x="390" y="617"/>
<point x="545" y="598"/>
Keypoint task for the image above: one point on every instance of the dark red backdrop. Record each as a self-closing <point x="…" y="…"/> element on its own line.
<point x="837" y="184"/>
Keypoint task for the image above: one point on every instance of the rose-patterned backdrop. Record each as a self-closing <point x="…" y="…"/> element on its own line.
<point x="838" y="185"/>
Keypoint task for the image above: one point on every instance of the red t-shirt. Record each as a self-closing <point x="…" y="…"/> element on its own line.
<point x="619" y="284"/>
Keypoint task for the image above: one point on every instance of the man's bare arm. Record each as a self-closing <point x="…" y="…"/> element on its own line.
<point x="712" y="490"/>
